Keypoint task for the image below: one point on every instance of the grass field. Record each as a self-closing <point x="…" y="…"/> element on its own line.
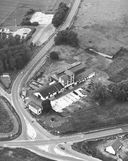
<point x="86" y="116"/>
<point x="19" y="154"/>
<point x="103" y="25"/>
<point x="6" y="122"/>
<point x="9" y="121"/>
<point x="12" y="11"/>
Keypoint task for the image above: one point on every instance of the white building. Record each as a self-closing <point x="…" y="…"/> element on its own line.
<point x="34" y="108"/>
<point x="114" y="148"/>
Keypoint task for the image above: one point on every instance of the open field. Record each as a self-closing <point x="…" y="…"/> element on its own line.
<point x="12" y="11"/>
<point x="97" y="148"/>
<point x="10" y="124"/>
<point x="103" y="25"/>
<point x="19" y="154"/>
<point x="85" y="117"/>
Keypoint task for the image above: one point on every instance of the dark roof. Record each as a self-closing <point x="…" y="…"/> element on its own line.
<point x="71" y="66"/>
<point x="34" y="101"/>
<point x="117" y="145"/>
<point x="50" y="89"/>
<point x="78" y="69"/>
<point x="58" y="86"/>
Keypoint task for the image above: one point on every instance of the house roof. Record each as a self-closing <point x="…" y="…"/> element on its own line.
<point x="65" y="78"/>
<point x="58" y="86"/>
<point x="50" y="89"/>
<point x="115" y="146"/>
<point x="68" y="72"/>
<point x="78" y="69"/>
<point x="33" y="100"/>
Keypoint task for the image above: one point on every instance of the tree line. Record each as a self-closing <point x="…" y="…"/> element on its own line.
<point x="60" y="14"/>
<point x="14" y="54"/>
<point x="117" y="91"/>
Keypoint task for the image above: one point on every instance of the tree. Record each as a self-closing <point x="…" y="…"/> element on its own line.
<point x="66" y="37"/>
<point x="60" y="14"/>
<point x="1" y="67"/>
<point x="30" y="12"/>
<point x="119" y="91"/>
<point x="99" y="92"/>
<point x="54" y="55"/>
<point x="46" y="105"/>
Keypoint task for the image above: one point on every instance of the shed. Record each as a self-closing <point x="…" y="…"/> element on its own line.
<point x="114" y="148"/>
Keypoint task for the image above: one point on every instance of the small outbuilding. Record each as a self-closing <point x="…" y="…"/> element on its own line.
<point x="114" y="148"/>
<point x="34" y="104"/>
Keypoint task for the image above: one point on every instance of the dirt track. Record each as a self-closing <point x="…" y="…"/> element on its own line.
<point x="103" y="24"/>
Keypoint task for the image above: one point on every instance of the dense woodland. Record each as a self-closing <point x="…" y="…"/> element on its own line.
<point x="14" y="53"/>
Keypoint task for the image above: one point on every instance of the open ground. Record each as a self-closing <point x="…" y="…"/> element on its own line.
<point x="19" y="154"/>
<point x="103" y="25"/>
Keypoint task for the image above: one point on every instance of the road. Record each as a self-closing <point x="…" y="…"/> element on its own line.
<point x="40" y="138"/>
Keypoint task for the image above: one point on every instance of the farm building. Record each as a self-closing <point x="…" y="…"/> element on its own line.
<point x="36" y="105"/>
<point x="74" y="75"/>
<point x="49" y="91"/>
<point x="114" y="148"/>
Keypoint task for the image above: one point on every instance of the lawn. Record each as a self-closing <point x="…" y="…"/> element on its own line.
<point x="12" y="11"/>
<point x="19" y="154"/>
<point x="6" y="122"/>
<point x="85" y="116"/>
<point x="9" y="120"/>
<point x="103" y="25"/>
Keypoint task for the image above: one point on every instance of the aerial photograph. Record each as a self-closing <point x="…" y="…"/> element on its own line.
<point x="63" y="80"/>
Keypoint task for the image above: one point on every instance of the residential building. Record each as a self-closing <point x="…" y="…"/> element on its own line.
<point x="114" y="147"/>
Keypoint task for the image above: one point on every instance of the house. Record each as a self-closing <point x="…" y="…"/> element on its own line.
<point x="49" y="91"/>
<point x="34" y="104"/>
<point x="114" y="148"/>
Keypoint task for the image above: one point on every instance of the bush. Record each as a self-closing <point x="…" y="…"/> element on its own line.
<point x="54" y="55"/>
<point x="27" y="17"/>
<point x="30" y="12"/>
<point x="99" y="93"/>
<point x="66" y="37"/>
<point x="119" y="91"/>
<point x="60" y="14"/>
